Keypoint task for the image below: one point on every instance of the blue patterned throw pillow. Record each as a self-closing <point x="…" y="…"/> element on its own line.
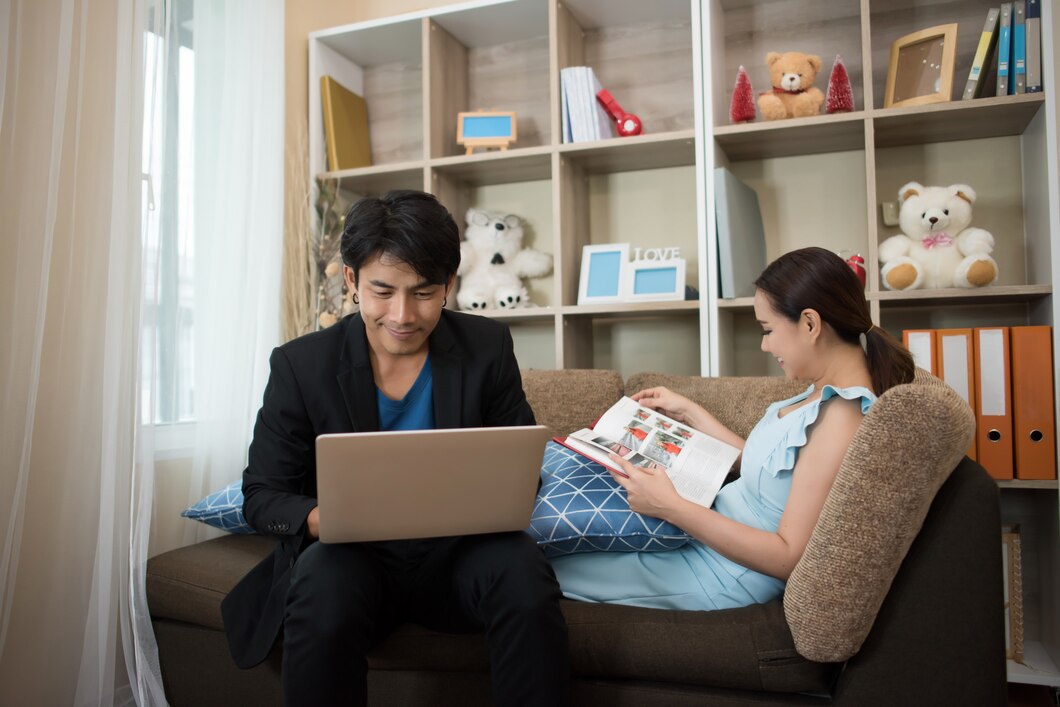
<point x="580" y="508"/>
<point x="222" y="509"/>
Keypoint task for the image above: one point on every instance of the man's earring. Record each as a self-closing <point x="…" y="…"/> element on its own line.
<point x="445" y="301"/>
<point x="355" y="300"/>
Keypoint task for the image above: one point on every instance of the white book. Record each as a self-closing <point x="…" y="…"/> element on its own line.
<point x="696" y="462"/>
<point x="566" y="92"/>
<point x="602" y="121"/>
<point x="564" y="109"/>
<point x="572" y="86"/>
<point x="585" y="115"/>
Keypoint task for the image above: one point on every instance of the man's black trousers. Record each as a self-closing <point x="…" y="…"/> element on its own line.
<point x="345" y="598"/>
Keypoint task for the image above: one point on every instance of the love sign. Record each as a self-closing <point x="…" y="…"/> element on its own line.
<point x="656" y="253"/>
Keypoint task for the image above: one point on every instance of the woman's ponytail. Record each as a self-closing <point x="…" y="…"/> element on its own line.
<point x="890" y="363"/>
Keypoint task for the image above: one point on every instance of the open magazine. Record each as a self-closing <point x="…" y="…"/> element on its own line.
<point x="695" y="462"/>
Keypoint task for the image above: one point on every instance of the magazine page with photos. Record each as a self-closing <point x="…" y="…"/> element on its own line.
<point x="696" y="463"/>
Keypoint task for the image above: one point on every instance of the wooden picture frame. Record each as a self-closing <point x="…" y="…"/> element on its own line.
<point x="656" y="280"/>
<point x="485" y="129"/>
<point x="604" y="273"/>
<point x="1013" y="591"/>
<point x="921" y="67"/>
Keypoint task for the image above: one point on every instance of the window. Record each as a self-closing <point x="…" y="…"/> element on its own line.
<point x="167" y="393"/>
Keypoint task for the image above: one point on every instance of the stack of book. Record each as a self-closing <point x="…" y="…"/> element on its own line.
<point x="584" y="118"/>
<point x="1006" y="375"/>
<point x="1011" y="42"/>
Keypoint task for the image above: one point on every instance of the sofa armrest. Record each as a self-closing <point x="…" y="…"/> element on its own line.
<point x="938" y="638"/>
<point x="909" y="443"/>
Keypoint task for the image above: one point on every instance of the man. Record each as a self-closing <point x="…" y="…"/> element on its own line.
<point x="402" y="362"/>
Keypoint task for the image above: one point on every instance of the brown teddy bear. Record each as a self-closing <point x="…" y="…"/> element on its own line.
<point x="794" y="95"/>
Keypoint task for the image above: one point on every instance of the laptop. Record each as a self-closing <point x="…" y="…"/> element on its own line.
<point x="427" y="483"/>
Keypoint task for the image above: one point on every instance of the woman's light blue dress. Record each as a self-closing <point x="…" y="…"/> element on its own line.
<point x="695" y="576"/>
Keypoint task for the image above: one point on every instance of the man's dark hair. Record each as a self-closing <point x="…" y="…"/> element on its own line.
<point x="409" y="226"/>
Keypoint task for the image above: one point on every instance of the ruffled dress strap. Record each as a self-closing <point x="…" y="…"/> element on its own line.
<point x="795" y="431"/>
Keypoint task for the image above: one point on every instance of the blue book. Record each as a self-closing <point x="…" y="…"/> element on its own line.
<point x="1018" y="81"/>
<point x="1004" y="48"/>
<point x="1034" y="46"/>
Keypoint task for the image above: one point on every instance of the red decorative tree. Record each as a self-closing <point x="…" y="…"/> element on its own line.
<point x="742" y="109"/>
<point x="840" y="98"/>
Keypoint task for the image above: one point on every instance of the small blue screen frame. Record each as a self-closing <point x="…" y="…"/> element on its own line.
<point x="476" y="126"/>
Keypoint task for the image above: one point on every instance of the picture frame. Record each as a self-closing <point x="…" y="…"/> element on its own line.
<point x="656" y="280"/>
<point x="485" y="129"/>
<point x="1013" y="591"/>
<point x="604" y="273"/>
<point x="921" y="67"/>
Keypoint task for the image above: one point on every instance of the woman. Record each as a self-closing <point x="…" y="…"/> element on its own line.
<point x="815" y="322"/>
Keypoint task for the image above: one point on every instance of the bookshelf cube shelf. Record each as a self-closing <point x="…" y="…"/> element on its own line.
<point x="507" y="55"/>
<point x="494" y="57"/>
<point x="384" y="64"/>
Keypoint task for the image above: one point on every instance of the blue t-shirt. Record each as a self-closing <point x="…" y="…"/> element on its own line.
<point x="413" y="412"/>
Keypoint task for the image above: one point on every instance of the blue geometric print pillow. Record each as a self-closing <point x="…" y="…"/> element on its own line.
<point x="580" y="508"/>
<point x="222" y="509"/>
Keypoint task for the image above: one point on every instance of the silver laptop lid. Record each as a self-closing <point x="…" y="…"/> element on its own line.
<point x="427" y="483"/>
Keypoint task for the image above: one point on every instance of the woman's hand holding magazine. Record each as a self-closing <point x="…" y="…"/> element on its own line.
<point x="650" y="493"/>
<point x="695" y="462"/>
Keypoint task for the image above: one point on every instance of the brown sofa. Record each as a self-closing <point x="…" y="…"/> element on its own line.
<point x="896" y="601"/>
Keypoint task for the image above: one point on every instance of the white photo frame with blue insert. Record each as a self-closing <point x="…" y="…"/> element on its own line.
<point x="604" y="273"/>
<point x="656" y="280"/>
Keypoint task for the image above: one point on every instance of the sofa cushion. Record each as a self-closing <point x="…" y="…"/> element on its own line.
<point x="581" y="508"/>
<point x="910" y="441"/>
<point x="222" y="509"/>
<point x="188" y="584"/>
<point x="748" y="648"/>
<point x="570" y="399"/>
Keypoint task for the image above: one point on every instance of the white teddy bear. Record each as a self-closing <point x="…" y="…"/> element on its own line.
<point x="936" y="248"/>
<point x="493" y="262"/>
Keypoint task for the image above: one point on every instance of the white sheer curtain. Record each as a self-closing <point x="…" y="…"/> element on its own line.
<point x="77" y="475"/>
<point x="238" y="230"/>
<point x="73" y="628"/>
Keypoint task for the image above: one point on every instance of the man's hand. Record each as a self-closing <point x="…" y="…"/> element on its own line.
<point x="313" y="522"/>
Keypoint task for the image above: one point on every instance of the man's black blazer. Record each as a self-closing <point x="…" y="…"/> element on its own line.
<point x="322" y="383"/>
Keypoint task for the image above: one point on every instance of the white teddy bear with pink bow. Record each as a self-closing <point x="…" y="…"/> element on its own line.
<point x="937" y="248"/>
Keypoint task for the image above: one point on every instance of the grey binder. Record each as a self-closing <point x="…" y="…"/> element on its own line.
<point x="741" y="237"/>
